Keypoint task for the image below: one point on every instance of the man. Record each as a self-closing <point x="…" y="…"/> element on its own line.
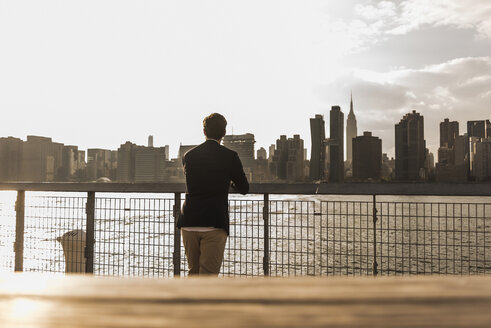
<point x="204" y="222"/>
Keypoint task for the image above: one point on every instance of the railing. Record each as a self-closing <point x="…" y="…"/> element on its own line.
<point x="283" y="230"/>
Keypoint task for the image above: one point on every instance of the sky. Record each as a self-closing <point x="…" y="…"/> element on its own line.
<point x="98" y="73"/>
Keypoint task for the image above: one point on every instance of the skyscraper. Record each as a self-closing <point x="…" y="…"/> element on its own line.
<point x="449" y="131"/>
<point x="336" y="145"/>
<point x="150" y="164"/>
<point x="261" y="154"/>
<point x="367" y="157"/>
<point x="288" y="159"/>
<point x="70" y="163"/>
<point x="318" y="151"/>
<point x="40" y="157"/>
<point x="410" y="147"/>
<point x="126" y="162"/>
<point x="101" y="163"/>
<point x="351" y="132"/>
<point x="10" y="159"/>
<point x="243" y="144"/>
<point x="280" y="158"/>
<point x="272" y="148"/>
<point x="478" y="129"/>
<point x="482" y="160"/>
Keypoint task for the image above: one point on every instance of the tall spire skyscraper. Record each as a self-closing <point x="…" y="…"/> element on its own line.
<point x="351" y="132"/>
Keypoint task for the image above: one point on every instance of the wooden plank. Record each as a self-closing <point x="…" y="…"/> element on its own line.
<point x="76" y="301"/>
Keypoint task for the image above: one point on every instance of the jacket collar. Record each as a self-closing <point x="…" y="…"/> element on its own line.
<point x="212" y="141"/>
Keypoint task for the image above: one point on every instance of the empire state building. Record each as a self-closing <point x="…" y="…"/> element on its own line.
<point x="351" y="132"/>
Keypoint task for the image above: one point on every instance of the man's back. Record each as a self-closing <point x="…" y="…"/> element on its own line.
<point x="209" y="169"/>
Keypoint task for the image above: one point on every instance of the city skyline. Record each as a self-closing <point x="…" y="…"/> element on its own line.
<point x="177" y="148"/>
<point x="96" y="73"/>
<point x="465" y="157"/>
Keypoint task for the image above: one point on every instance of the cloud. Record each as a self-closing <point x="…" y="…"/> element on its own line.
<point x="458" y="89"/>
<point x="374" y="21"/>
<point x="468" y="14"/>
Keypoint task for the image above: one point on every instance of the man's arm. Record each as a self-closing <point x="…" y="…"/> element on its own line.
<point x="239" y="179"/>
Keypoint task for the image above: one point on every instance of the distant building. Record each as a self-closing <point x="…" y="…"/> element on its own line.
<point x="69" y="162"/>
<point x="449" y="131"/>
<point x="478" y="129"/>
<point x="126" y="162"/>
<point x="41" y="159"/>
<point x="101" y="163"/>
<point x="410" y="147"/>
<point x="57" y="151"/>
<point x="453" y="154"/>
<point x="461" y="154"/>
<point x="150" y="164"/>
<point x="367" y="157"/>
<point x="261" y="154"/>
<point x="95" y="160"/>
<point x="351" y="132"/>
<point x="271" y="153"/>
<point x="388" y="167"/>
<point x="336" y="145"/>
<point x="73" y="164"/>
<point x="327" y="162"/>
<point x="429" y="170"/>
<point x="145" y="164"/>
<point x="174" y="171"/>
<point x="482" y="160"/>
<point x="450" y="173"/>
<point x="295" y="164"/>
<point x="280" y="158"/>
<point x="261" y="172"/>
<point x="243" y="144"/>
<point x="317" y="153"/>
<point x="11" y="159"/>
<point x="479" y="158"/>
<point x="446" y="155"/>
<point x="288" y="160"/>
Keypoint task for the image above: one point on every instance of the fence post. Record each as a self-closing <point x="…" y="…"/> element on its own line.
<point x="375" y="264"/>
<point x="89" y="241"/>
<point x="176" y="256"/>
<point x="266" y="235"/>
<point x="19" y="230"/>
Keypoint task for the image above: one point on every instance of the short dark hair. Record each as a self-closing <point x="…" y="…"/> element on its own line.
<point x="214" y="126"/>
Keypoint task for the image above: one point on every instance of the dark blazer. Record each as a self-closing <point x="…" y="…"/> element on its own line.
<point x="209" y="169"/>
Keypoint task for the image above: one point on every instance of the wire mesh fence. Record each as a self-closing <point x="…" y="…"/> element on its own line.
<point x="7" y="231"/>
<point x="110" y="233"/>
<point x="433" y="238"/>
<point x="292" y="238"/>
<point x="244" y="250"/>
<point x="47" y="220"/>
<point x="150" y="237"/>
<point x="136" y="236"/>
<point x="346" y="234"/>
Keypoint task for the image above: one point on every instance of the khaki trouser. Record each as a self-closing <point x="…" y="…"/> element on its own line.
<point x="204" y="251"/>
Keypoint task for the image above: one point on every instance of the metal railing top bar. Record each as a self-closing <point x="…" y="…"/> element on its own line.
<point x="409" y="189"/>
